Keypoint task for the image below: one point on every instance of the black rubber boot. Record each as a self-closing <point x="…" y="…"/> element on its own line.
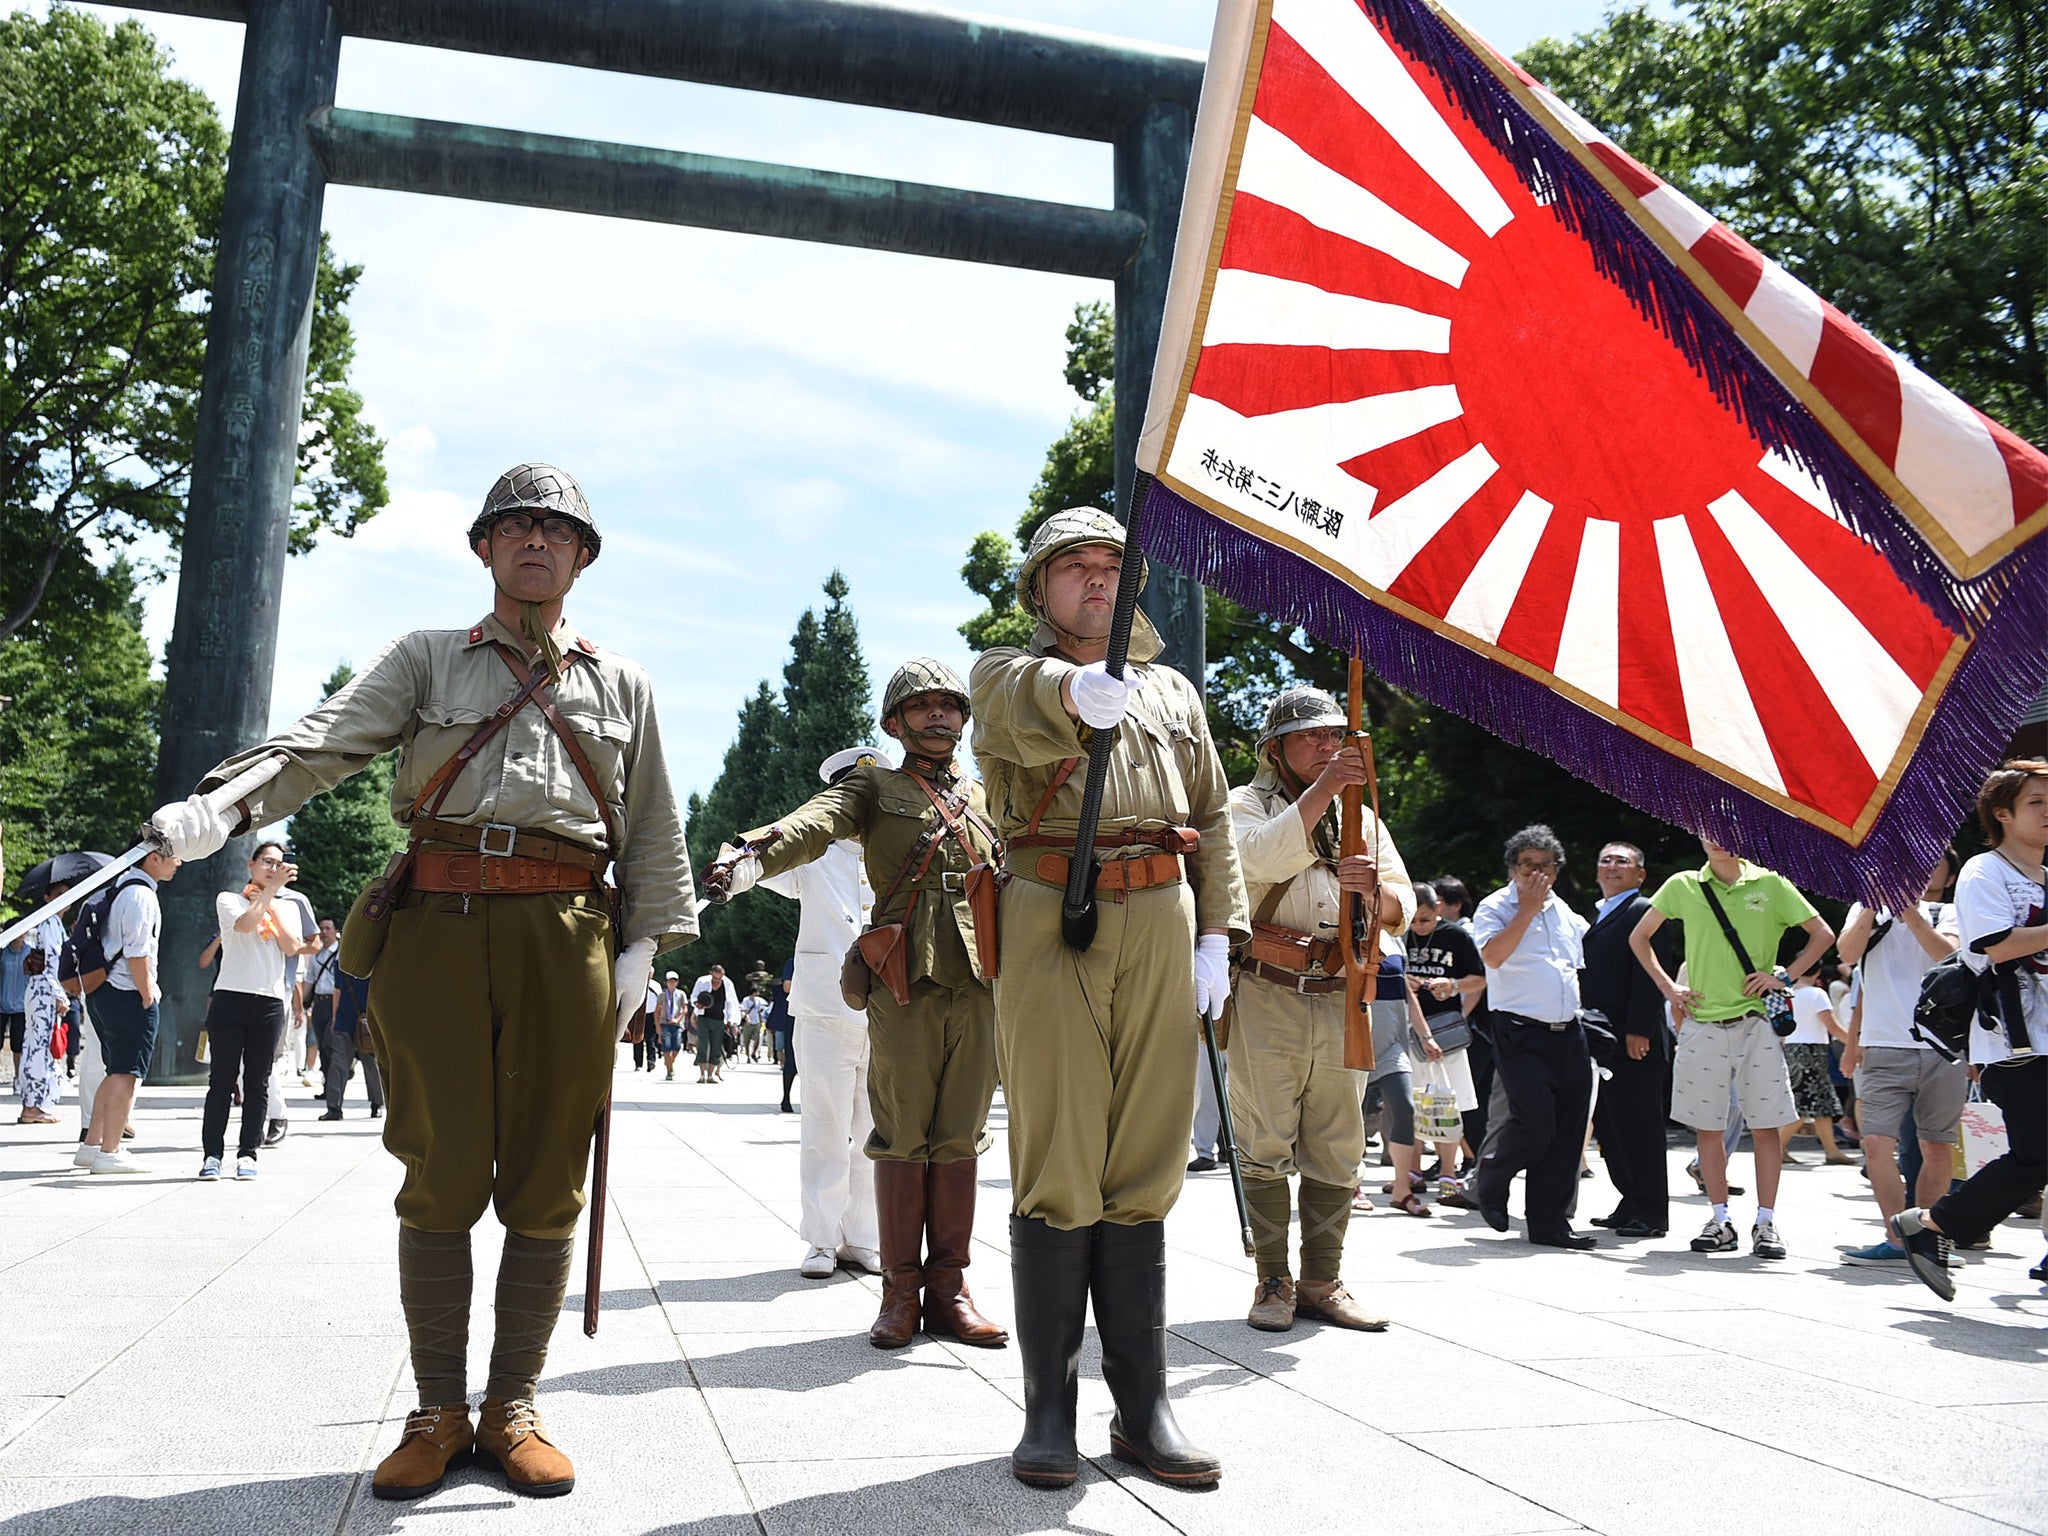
<point x="1050" y="1271"/>
<point x="1129" y="1285"/>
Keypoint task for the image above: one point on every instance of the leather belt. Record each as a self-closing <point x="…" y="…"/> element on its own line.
<point x="1307" y="983"/>
<point x="1172" y="839"/>
<point x="441" y="869"/>
<point x="1528" y="1023"/>
<point x="500" y="840"/>
<point x="1119" y="877"/>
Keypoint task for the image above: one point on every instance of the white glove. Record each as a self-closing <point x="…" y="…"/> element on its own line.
<point x="1212" y="974"/>
<point x="1099" y="699"/>
<point x="192" y="828"/>
<point x="742" y="875"/>
<point x="630" y="973"/>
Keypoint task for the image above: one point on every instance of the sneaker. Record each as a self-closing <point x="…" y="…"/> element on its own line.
<point x="1885" y="1255"/>
<point x="83" y="1157"/>
<point x="1764" y="1241"/>
<point x="1716" y="1237"/>
<point x="867" y="1260"/>
<point x="1953" y="1259"/>
<point x="245" y="1167"/>
<point x="276" y="1132"/>
<point x="210" y="1169"/>
<point x="819" y="1264"/>
<point x="1926" y="1251"/>
<point x="115" y="1162"/>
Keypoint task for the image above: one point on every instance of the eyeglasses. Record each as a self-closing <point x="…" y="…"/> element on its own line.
<point x="1546" y="867"/>
<point x="517" y="525"/>
<point x="1616" y="858"/>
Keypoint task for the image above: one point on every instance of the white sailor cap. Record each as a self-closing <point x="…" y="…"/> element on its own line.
<point x="844" y="762"/>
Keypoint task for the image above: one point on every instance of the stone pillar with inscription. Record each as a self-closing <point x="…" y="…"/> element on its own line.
<point x="231" y="569"/>
<point x="1151" y="167"/>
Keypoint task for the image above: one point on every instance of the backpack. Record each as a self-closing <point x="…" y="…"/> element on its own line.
<point x="82" y="963"/>
<point x="1951" y="996"/>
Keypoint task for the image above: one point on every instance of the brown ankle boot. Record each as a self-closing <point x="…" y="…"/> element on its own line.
<point x="435" y="1440"/>
<point x="512" y="1435"/>
<point x="899" y="1209"/>
<point x="949" y="1312"/>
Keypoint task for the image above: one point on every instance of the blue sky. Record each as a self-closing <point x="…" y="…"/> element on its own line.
<point x="744" y="414"/>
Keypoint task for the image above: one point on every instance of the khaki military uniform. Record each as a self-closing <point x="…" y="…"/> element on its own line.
<point x="494" y="1014"/>
<point x="1098" y="1047"/>
<point x="931" y="1064"/>
<point x="1293" y="1103"/>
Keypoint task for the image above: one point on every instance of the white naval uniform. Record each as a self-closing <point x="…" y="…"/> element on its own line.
<point x="831" y="1042"/>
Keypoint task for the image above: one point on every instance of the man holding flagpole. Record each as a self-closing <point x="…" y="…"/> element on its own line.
<point x="1098" y="1046"/>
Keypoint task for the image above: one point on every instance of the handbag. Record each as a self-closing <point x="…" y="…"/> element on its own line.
<point x="1778" y="1001"/>
<point x="1454" y="1035"/>
<point x="1983" y="1133"/>
<point x="60" y="1040"/>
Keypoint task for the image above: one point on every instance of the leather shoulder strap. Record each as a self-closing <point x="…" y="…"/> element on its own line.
<point x="536" y="681"/>
<point x="435" y="790"/>
<point x="1061" y="774"/>
<point x="1271" y="904"/>
<point x="956" y="823"/>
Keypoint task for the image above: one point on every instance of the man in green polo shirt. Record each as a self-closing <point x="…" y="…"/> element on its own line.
<point x="1724" y="1040"/>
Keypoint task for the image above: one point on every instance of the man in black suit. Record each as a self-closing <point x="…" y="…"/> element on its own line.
<point x="1634" y="1103"/>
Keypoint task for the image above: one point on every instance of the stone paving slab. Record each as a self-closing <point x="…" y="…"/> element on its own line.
<point x="237" y="1364"/>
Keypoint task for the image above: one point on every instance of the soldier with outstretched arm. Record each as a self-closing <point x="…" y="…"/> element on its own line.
<point x="932" y="1065"/>
<point x="1098" y="1046"/>
<point x="529" y="761"/>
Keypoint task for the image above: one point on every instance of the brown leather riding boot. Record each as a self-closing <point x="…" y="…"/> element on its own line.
<point x="435" y="1440"/>
<point x="899" y="1211"/>
<point x="949" y="1312"/>
<point x="512" y="1435"/>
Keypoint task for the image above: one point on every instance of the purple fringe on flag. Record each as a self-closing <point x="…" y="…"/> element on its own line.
<point x="2001" y="674"/>
<point x="1667" y="299"/>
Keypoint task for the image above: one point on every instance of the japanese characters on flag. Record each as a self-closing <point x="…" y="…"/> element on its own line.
<point x="1450" y="380"/>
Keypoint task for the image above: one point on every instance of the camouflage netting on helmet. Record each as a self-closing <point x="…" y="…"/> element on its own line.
<point x="542" y="489"/>
<point x="922" y="675"/>
<point x="1301" y="709"/>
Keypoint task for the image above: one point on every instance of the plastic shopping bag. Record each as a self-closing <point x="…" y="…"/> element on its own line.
<point x="1436" y="1112"/>
<point x="1983" y="1134"/>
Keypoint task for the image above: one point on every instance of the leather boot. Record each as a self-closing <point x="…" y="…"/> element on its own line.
<point x="899" y="1211"/>
<point x="435" y="1441"/>
<point x="1050" y="1271"/>
<point x="949" y="1312"/>
<point x="1128" y="1281"/>
<point x="511" y="1434"/>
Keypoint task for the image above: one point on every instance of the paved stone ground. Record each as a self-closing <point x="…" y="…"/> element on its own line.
<point x="184" y="1358"/>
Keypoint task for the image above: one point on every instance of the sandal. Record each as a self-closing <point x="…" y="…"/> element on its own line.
<point x="1413" y="1205"/>
<point x="1362" y="1202"/>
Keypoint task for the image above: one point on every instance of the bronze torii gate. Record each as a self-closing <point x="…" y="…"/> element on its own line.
<point x="290" y="141"/>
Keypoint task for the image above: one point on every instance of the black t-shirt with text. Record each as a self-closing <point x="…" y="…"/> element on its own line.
<point x="1447" y="951"/>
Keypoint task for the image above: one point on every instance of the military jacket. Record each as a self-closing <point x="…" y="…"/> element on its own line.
<point x="1164" y="771"/>
<point x="427" y="694"/>
<point x="1275" y="847"/>
<point x="888" y="813"/>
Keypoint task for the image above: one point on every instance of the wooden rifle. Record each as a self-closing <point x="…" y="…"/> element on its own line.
<point x="1360" y="930"/>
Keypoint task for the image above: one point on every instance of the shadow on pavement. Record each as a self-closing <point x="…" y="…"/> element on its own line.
<point x="271" y="1504"/>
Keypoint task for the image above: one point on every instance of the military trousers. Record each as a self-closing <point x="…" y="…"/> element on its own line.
<point x="1293" y="1104"/>
<point x="931" y="1072"/>
<point x="1098" y="1050"/>
<point x="496" y="1034"/>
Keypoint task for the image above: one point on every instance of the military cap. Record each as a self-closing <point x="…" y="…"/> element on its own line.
<point x="541" y="489"/>
<point x="1065" y="530"/>
<point x="1301" y="709"/>
<point x="923" y="676"/>
<point x="841" y="763"/>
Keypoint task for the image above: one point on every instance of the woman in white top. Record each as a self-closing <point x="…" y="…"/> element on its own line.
<point x="245" y="1021"/>
<point x="40" y="1082"/>
<point x="1806" y="1063"/>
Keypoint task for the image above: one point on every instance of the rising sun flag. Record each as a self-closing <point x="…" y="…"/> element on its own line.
<point x="1452" y="382"/>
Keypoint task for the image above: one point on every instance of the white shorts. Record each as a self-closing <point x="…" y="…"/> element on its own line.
<point x="1744" y="1052"/>
<point x="1455" y="1070"/>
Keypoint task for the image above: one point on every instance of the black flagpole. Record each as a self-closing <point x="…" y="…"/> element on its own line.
<point x="1077" y="912"/>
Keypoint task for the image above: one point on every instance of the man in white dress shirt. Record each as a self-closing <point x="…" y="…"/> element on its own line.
<point x="1532" y="944"/>
<point x="838" y="1178"/>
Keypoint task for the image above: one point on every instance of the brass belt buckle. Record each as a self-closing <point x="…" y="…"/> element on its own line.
<point x="483" y="842"/>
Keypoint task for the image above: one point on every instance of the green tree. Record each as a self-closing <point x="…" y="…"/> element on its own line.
<point x="747" y="792"/>
<point x="1892" y="154"/>
<point x="111" y="176"/>
<point x="829" y="709"/>
<point x="343" y="839"/>
<point x="1079" y="471"/>
<point x="78" y="730"/>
